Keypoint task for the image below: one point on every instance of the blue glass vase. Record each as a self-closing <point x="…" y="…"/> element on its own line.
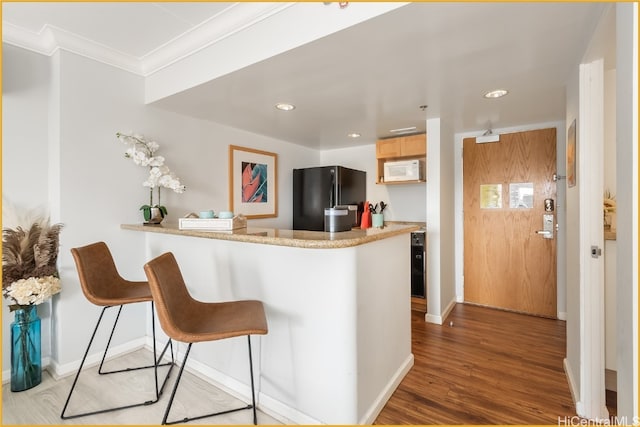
<point x="26" y="360"/>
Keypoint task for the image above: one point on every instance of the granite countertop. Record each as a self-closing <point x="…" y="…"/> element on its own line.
<point x="283" y="237"/>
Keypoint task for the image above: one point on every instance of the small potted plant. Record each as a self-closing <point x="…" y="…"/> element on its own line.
<point x="143" y="153"/>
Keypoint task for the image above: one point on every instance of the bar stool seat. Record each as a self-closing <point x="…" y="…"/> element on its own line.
<point x="188" y="320"/>
<point x="215" y="321"/>
<point x="103" y="286"/>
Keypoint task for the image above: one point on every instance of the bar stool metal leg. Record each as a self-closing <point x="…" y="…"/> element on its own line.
<point x="253" y="393"/>
<point x="156" y="360"/>
<point x="175" y="388"/>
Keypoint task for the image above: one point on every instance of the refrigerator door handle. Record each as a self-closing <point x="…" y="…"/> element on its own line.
<point x="332" y="193"/>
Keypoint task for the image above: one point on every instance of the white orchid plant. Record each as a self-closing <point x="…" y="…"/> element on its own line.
<point x="143" y="153"/>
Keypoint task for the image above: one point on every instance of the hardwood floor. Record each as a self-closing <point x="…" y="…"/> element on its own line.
<point x="490" y="367"/>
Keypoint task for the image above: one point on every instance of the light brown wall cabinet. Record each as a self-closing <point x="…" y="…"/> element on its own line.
<point x="400" y="148"/>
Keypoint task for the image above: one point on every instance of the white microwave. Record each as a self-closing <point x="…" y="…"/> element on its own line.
<point x="405" y="170"/>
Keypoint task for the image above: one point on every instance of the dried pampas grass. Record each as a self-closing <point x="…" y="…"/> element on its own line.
<point x="14" y="216"/>
<point x="29" y="246"/>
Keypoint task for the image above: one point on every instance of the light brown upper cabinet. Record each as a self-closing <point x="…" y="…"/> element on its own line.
<point x="400" y="148"/>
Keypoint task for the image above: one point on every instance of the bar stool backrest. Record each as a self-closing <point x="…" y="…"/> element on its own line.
<point x="99" y="278"/>
<point x="171" y="295"/>
<point x="100" y="281"/>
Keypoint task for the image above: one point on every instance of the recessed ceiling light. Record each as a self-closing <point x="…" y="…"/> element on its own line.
<point x="283" y="106"/>
<point x="498" y="93"/>
<point x="402" y="130"/>
<point x="354" y="135"/>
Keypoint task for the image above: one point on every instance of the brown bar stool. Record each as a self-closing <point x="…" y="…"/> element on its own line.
<point x="188" y="320"/>
<point x="102" y="285"/>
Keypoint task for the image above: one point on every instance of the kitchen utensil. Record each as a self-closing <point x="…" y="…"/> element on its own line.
<point x="365" y="222"/>
<point x="383" y="205"/>
<point x="377" y="220"/>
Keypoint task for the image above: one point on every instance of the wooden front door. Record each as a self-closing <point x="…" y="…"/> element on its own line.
<point x="507" y="263"/>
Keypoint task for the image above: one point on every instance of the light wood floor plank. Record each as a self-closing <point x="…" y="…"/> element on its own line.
<point x="42" y="404"/>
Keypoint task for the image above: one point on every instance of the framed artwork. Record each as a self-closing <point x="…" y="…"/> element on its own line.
<point x="571" y="154"/>
<point x="253" y="182"/>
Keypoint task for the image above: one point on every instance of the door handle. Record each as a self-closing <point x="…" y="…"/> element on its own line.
<point x="547" y="226"/>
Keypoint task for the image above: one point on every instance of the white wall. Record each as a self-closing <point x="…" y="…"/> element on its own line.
<point x="572" y="363"/>
<point x="610" y="246"/>
<point x="406" y="202"/>
<point x="610" y="130"/>
<point x="447" y="218"/>
<point x="440" y="221"/>
<point x="25" y="91"/>
<point x="627" y="218"/>
<point x="92" y="188"/>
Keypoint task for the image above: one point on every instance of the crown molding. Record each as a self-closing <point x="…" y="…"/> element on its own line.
<point x="233" y="19"/>
<point x="230" y="21"/>
<point x="42" y="42"/>
<point x="51" y="39"/>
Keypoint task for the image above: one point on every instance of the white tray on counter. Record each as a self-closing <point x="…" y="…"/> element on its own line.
<point x="212" y="224"/>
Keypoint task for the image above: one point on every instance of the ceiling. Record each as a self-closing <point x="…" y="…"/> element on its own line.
<point x="369" y="78"/>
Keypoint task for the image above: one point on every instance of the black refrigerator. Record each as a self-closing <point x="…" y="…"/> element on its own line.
<point x="315" y="189"/>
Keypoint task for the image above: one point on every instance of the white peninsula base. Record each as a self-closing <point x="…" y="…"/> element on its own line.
<point x="339" y="338"/>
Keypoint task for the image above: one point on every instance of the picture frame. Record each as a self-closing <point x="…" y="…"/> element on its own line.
<point x="571" y="154"/>
<point x="253" y="182"/>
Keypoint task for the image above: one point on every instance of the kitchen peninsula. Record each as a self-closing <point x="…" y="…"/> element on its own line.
<point x="337" y="305"/>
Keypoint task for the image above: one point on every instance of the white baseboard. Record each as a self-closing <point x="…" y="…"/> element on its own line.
<point x="460" y="298"/>
<point x="241" y="391"/>
<point x="58" y="371"/>
<point x="601" y="419"/>
<point x="279" y="410"/>
<point x="562" y="315"/>
<point x="572" y="386"/>
<point x="284" y="413"/>
<point x="377" y="406"/>
<point x="439" y="320"/>
<point x="6" y="374"/>
<point x="448" y="310"/>
<point x="430" y="318"/>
